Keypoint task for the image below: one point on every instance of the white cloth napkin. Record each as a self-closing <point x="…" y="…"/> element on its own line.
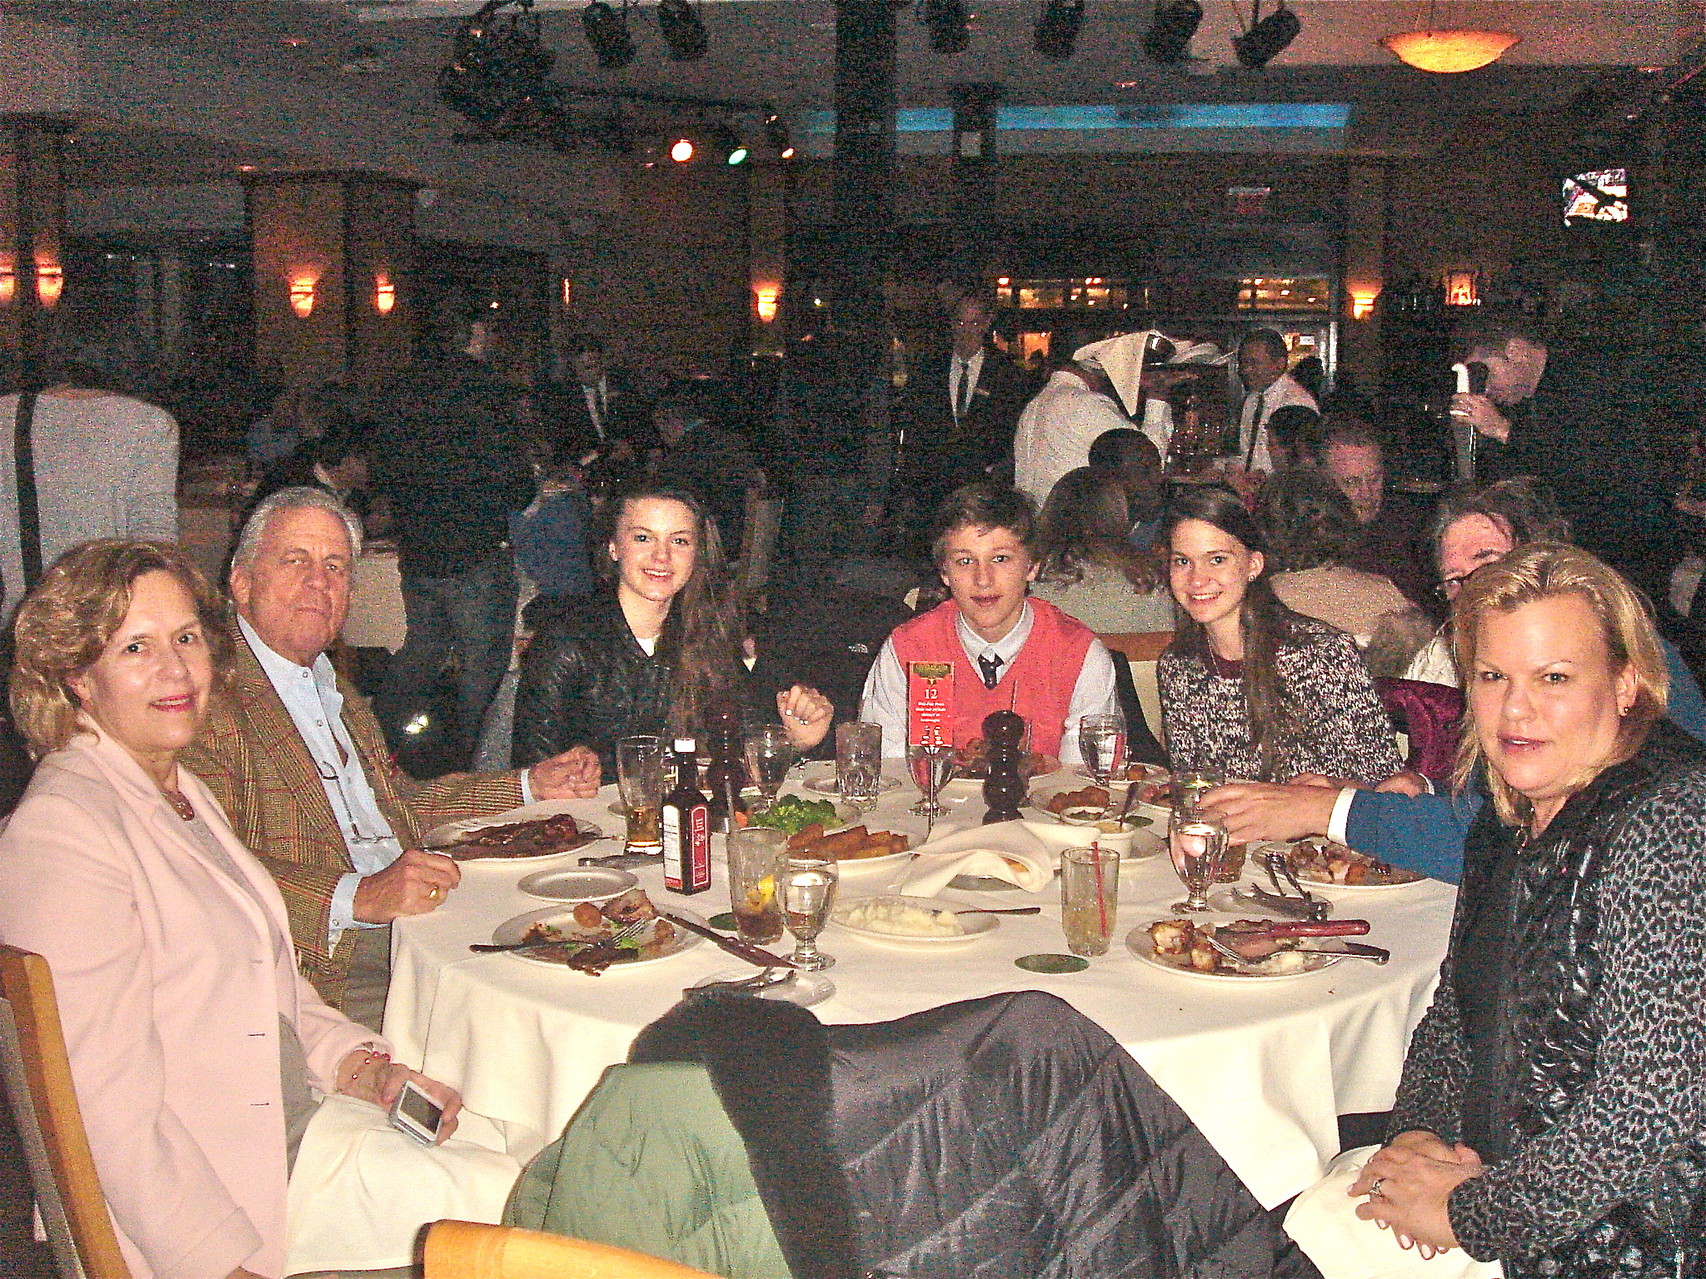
<point x="1005" y="850"/>
<point x="1342" y="1245"/>
<point x="361" y="1190"/>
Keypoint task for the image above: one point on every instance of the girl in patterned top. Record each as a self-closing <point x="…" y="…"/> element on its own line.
<point x="1249" y="688"/>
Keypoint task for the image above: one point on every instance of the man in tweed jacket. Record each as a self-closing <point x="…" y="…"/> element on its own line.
<point x="302" y="769"/>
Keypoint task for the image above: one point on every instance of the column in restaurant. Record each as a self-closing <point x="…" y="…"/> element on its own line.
<point x="32" y="231"/>
<point x="974" y="179"/>
<point x="334" y="266"/>
<point x="1364" y="255"/>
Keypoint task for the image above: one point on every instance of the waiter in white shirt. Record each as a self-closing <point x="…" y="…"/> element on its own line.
<point x="1262" y="362"/>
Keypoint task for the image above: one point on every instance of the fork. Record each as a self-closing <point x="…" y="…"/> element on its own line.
<point x="1276" y="866"/>
<point x="622" y="934"/>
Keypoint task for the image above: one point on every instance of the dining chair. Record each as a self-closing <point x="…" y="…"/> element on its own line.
<point x="50" y="1123"/>
<point x="471" y="1250"/>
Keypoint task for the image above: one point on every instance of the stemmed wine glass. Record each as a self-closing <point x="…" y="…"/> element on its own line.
<point x="931" y="767"/>
<point x="769" y="756"/>
<point x="807" y="889"/>
<point x="1101" y="744"/>
<point x="1197" y="842"/>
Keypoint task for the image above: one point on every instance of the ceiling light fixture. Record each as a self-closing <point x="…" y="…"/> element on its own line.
<point x="606" y="30"/>
<point x="948" y="23"/>
<point x="682" y="30"/>
<point x="1266" y="38"/>
<point x="1169" y="37"/>
<point x="776" y="134"/>
<point x="1449" y="52"/>
<point x="1057" y="29"/>
<point x="681" y="150"/>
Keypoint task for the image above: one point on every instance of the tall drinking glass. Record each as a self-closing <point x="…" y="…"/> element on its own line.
<point x="859" y="763"/>
<point x="931" y="767"/>
<point x="1089" y="898"/>
<point x="755" y="858"/>
<point x="1101" y="743"/>
<point x="639" y="777"/>
<point x="807" y="888"/>
<point x="1197" y="841"/>
<point x="769" y="756"/>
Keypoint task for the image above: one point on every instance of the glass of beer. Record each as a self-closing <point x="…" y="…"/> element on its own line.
<point x="755" y="855"/>
<point x="639" y="776"/>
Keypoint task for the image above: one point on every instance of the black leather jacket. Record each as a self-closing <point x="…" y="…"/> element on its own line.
<point x="587" y="682"/>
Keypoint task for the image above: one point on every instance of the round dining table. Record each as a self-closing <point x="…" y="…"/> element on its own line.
<point x="1264" y="1066"/>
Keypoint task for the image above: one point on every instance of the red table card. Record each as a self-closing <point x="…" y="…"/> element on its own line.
<point x="929" y="703"/>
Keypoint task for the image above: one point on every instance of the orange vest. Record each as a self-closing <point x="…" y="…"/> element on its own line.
<point x="1038" y="683"/>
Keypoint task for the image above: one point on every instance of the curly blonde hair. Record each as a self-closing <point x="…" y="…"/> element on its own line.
<point x="63" y="626"/>
<point x="1543" y="570"/>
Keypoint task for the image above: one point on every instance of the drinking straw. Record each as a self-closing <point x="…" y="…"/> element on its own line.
<point x="1101" y="899"/>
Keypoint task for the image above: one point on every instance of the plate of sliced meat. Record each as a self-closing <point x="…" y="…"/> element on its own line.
<point x="514" y="840"/>
<point x="565" y="935"/>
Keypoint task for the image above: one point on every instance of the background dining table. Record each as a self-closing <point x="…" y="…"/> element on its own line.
<point x="1264" y="1066"/>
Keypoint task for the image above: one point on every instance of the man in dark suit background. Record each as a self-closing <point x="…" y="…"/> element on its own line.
<point x="960" y="409"/>
<point x="599" y="411"/>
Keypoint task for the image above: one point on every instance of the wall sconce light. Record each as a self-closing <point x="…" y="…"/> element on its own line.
<point x="767" y="296"/>
<point x="8" y="284"/>
<point x="568" y="292"/>
<point x="1462" y="288"/>
<point x="1362" y="303"/>
<point x="50" y="283"/>
<point x="302" y="296"/>
<point x="384" y="294"/>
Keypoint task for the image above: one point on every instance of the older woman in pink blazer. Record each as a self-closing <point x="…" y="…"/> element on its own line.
<point x="192" y="1038"/>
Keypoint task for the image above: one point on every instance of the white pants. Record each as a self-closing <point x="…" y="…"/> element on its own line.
<point x="360" y="1190"/>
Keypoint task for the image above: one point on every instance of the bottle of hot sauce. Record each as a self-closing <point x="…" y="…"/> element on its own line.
<point x="686" y="821"/>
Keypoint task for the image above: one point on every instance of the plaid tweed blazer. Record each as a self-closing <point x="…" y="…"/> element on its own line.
<point x="255" y="763"/>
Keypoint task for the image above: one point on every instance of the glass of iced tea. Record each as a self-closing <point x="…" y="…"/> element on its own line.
<point x="1089" y="898"/>
<point x="639" y="776"/>
<point x="754" y="855"/>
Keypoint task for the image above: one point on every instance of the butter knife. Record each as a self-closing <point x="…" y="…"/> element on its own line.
<point x="733" y="945"/>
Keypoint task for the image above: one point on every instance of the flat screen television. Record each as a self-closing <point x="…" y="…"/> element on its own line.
<point x="1596" y="196"/>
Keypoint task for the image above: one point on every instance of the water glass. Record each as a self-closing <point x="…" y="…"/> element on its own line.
<point x="1101" y="744"/>
<point x="769" y="756"/>
<point x="1191" y="784"/>
<point x="1197" y="842"/>
<point x="859" y="763"/>
<point x="755" y="857"/>
<point x="807" y="889"/>
<point x="1089" y="898"/>
<point x="639" y="777"/>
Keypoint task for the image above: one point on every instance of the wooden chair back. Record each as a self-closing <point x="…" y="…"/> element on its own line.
<point x="469" y="1250"/>
<point x="50" y="1122"/>
<point x="1142" y="650"/>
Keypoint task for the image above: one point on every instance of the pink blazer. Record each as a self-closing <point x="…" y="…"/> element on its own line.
<point x="171" y="979"/>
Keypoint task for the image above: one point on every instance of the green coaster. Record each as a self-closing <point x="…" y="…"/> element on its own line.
<point x="1054" y="964"/>
<point x="725" y="921"/>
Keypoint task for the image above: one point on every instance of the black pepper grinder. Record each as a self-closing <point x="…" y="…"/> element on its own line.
<point x="1003" y="788"/>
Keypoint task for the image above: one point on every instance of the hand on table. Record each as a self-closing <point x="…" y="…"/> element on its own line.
<point x="417" y="882"/>
<point x="805" y="715"/>
<point x="1409" y="1183"/>
<point x="375" y="1078"/>
<point x="1482" y="414"/>
<point x="574" y="774"/>
<point x="1261" y="810"/>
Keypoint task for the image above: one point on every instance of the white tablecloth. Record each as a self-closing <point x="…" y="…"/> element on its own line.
<point x="1263" y="1068"/>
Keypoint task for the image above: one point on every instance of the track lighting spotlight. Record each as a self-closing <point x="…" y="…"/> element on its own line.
<point x="776" y="134"/>
<point x="1267" y="37"/>
<point x="948" y="24"/>
<point x="682" y="30"/>
<point x="726" y="144"/>
<point x="1170" y="32"/>
<point x="607" y="32"/>
<point x="681" y="150"/>
<point x="1057" y="29"/>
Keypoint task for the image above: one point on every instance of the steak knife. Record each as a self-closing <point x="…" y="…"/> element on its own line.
<point x="734" y="945"/>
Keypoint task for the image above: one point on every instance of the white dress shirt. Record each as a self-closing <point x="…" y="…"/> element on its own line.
<point x="1056" y="431"/>
<point x="598" y="406"/>
<point x="959" y="370"/>
<point x="1259" y="406"/>
<point x="884" y="701"/>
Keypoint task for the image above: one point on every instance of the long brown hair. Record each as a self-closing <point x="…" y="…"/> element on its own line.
<point x="1266" y="624"/>
<point x="704" y="634"/>
<point x="1087" y="520"/>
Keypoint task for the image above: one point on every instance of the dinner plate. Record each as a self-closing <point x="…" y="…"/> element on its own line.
<point x="1151" y="773"/>
<point x="452" y="832"/>
<point x="1138" y="943"/>
<point x="577" y="883"/>
<point x="589" y="832"/>
<point x="807" y="990"/>
<point x="975" y="925"/>
<point x="831" y="786"/>
<point x="1253" y="861"/>
<point x="512" y="931"/>
<point x="1155" y="815"/>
